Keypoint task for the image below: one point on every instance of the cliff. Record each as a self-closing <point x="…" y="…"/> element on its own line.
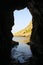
<point x="24" y="32"/>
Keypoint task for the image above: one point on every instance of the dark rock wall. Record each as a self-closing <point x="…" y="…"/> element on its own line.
<point x="36" y="9"/>
<point x="7" y="21"/>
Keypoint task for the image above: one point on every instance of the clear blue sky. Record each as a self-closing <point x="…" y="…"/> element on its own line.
<point x="21" y="19"/>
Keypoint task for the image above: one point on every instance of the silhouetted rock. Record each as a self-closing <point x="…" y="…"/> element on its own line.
<point x="14" y="43"/>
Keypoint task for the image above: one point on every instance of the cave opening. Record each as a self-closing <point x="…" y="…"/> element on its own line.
<point x="21" y="35"/>
<point x="22" y="23"/>
<point x="21" y="19"/>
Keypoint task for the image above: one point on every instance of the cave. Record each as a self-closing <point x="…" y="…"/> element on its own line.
<point x="7" y="21"/>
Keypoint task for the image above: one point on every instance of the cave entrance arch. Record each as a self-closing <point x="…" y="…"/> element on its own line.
<point x="36" y="8"/>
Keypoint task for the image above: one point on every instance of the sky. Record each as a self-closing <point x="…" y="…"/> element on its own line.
<point x="21" y="19"/>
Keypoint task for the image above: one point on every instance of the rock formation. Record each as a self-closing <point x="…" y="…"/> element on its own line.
<point x="6" y="22"/>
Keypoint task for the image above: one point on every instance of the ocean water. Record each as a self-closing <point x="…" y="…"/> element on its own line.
<point x="21" y="52"/>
